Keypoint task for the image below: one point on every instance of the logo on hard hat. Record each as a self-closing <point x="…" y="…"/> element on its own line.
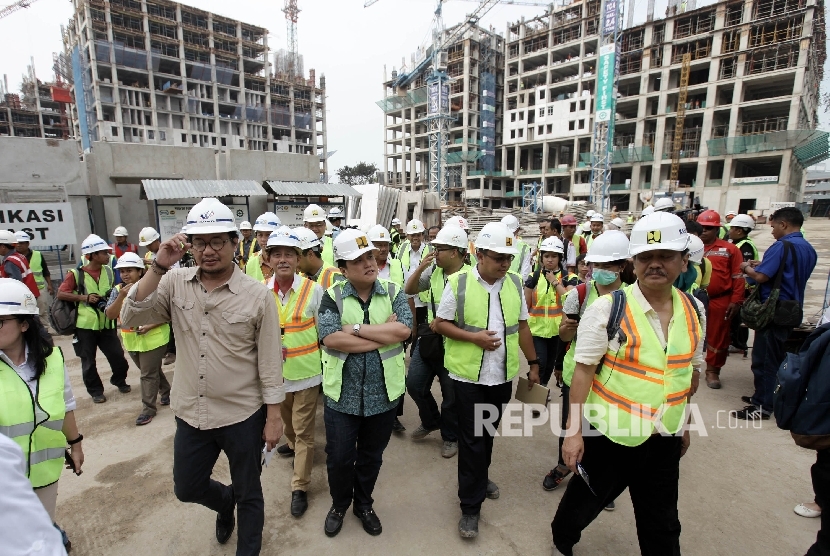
<point x="414" y="226"/>
<point x="314" y="213"/>
<point x="653" y="237"/>
<point x="29" y="301"/>
<point x="361" y="242"/>
<point x="508" y="241"/>
<point x="207" y="215"/>
<point x="382" y="234"/>
<point x="141" y="238"/>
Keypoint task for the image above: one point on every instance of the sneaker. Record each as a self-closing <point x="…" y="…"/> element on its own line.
<point x="449" y="449"/>
<point x="751" y="413"/>
<point x="610" y="507"/>
<point x="143" y="419"/>
<point x="747" y="400"/>
<point x="553" y="479"/>
<point x="468" y="526"/>
<point x="165" y="400"/>
<point x="169" y="359"/>
<point x="805" y="511"/>
<point x="492" y="491"/>
<point x="100" y="398"/>
<point x="397" y="426"/>
<point x="285" y="451"/>
<point x="422" y="432"/>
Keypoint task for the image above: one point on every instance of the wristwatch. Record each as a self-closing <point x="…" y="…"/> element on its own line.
<point x="356" y="330"/>
<point x="533" y="362"/>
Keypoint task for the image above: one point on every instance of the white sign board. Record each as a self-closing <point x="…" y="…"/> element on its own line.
<point x="756" y="179"/>
<point x="49" y="223"/>
<point x="775" y="205"/>
<point x="292" y="214"/>
<point x="172" y="218"/>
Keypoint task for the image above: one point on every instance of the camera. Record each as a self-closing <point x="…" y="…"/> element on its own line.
<point x="102" y="301"/>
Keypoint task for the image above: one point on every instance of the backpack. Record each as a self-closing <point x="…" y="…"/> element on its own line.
<point x="63" y="315"/>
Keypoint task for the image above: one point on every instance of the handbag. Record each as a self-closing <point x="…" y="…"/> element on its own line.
<point x="430" y="343"/>
<point x="788" y="312"/>
<point x="757" y="314"/>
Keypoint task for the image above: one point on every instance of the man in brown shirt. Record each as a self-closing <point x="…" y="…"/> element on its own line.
<point x="227" y="388"/>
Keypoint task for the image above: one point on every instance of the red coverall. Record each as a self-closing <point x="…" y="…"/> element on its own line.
<point x="725" y="287"/>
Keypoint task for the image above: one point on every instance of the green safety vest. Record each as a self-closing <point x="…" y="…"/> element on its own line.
<point x="90" y="318"/>
<point x="590" y="240"/>
<point x="299" y="333"/>
<point x="464" y="359"/>
<point x="545" y="310"/>
<point x="516" y="265"/>
<point x="39" y="436"/>
<point x="405" y="259"/>
<point x="142" y="343"/>
<point x="396" y="271"/>
<point x="240" y="254"/>
<point x="640" y="379"/>
<point x="437" y="282"/>
<point x="36" y="266"/>
<point x="569" y="364"/>
<point x="738" y="245"/>
<point x="328" y="250"/>
<point x="391" y="356"/>
<point x="253" y="267"/>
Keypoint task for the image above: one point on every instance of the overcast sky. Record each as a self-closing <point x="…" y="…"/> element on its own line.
<point x="348" y="43"/>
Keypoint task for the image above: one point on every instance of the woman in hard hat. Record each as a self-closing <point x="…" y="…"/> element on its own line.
<point x="147" y="345"/>
<point x="37" y="407"/>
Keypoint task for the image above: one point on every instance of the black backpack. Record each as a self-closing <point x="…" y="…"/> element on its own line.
<point x="63" y="315"/>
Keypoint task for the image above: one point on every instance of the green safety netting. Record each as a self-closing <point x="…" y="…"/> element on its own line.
<point x="411" y="98"/>
<point x="623" y="155"/>
<point x="460" y="157"/>
<point x="809" y="145"/>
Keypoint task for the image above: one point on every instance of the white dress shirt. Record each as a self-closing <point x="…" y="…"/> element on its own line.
<point x="414" y="261"/>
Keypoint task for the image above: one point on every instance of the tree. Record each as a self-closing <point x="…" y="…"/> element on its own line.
<point x="358" y="174"/>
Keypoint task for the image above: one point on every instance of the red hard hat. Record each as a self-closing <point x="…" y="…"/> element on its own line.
<point x="709" y="218"/>
<point x="568" y="220"/>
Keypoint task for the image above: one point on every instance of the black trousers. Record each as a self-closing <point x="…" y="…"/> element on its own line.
<point x="820" y="472"/>
<point x="650" y="471"/>
<point x="563" y="421"/>
<point x="768" y="352"/>
<point x="475" y="451"/>
<point x="89" y="341"/>
<point x="354" y="455"/>
<point x="195" y="452"/>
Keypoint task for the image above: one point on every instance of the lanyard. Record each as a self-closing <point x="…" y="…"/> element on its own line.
<point x="283" y="311"/>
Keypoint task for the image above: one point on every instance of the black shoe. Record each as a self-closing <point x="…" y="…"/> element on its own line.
<point x="334" y="522"/>
<point x="371" y="522"/>
<point x="553" y="479"/>
<point x="143" y="419"/>
<point x="299" y="503"/>
<point x="747" y="400"/>
<point x="165" y="400"/>
<point x="752" y="413"/>
<point x="125" y="388"/>
<point x="285" y="451"/>
<point x="224" y="526"/>
<point x="100" y="398"/>
<point x="468" y="526"/>
<point x="397" y="426"/>
<point x="492" y="491"/>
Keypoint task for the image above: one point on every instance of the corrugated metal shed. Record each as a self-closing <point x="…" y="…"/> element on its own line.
<point x="196" y="189"/>
<point x="303" y="189"/>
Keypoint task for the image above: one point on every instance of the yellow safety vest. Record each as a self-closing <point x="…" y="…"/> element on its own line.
<point x="36" y="266"/>
<point x="243" y="260"/>
<point x="395" y="271"/>
<point x="328" y="250"/>
<point x="328" y="276"/>
<point x="391" y="356"/>
<point x="516" y="265"/>
<point x="545" y="311"/>
<point x="90" y="318"/>
<point x="569" y="364"/>
<point x="41" y="440"/>
<point x="142" y="343"/>
<point x="254" y="267"/>
<point x="405" y="260"/>
<point x="640" y="382"/>
<point x="299" y="333"/>
<point x="464" y="359"/>
<point x="437" y="282"/>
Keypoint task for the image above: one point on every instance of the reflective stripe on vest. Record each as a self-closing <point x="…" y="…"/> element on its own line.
<point x="243" y="260"/>
<point x="545" y="310"/>
<point x="640" y="383"/>
<point x="464" y="359"/>
<point x="569" y="364"/>
<point x="516" y="265"/>
<point x="406" y="259"/>
<point x="391" y="356"/>
<point x="738" y="245"/>
<point x="299" y="334"/>
<point x="437" y="283"/>
<point x="42" y="441"/>
<point x="26" y="275"/>
<point x="328" y="250"/>
<point x="90" y="318"/>
<point x="328" y="276"/>
<point x="36" y="266"/>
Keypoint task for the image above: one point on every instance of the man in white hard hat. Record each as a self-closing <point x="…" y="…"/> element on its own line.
<point x="493" y="337"/>
<point x="40" y="272"/>
<point x="247" y="245"/>
<point x="228" y="384"/>
<point x="396" y="232"/>
<point x="257" y="267"/>
<point x="448" y="256"/>
<point x="90" y="287"/>
<point x="121" y="244"/>
<point x="664" y="204"/>
<point x="668" y="327"/>
<point x="521" y="263"/>
<point x="362" y="323"/>
<point x="389" y="268"/>
<point x="597" y="226"/>
<point x="13" y="264"/>
<point x="311" y="263"/>
<point x="336" y="220"/>
<point x="616" y="224"/>
<point x="149" y="238"/>
<point x="461" y="222"/>
<point x="298" y="301"/>
<point x="314" y="218"/>
<point x="739" y="230"/>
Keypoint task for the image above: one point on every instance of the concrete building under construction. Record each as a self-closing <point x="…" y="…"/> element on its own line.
<point x="163" y="73"/>
<point x="40" y="110"/>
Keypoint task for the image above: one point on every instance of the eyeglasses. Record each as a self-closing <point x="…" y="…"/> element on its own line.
<point x="501" y="259"/>
<point x="217" y="244"/>
<point x="3" y="321"/>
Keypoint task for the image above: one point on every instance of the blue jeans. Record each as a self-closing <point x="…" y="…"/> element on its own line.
<point x="547" y="350"/>
<point x="419" y="385"/>
<point x="768" y="352"/>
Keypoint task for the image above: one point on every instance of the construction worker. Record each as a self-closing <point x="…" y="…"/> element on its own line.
<point x="491" y="336"/>
<point x="574" y="243"/>
<point x="521" y="263"/>
<point x="336" y="220"/>
<point x="311" y="264"/>
<point x="362" y="323"/>
<point x="121" y="244"/>
<point x="396" y="233"/>
<point x="40" y="272"/>
<point x="149" y="238"/>
<point x="298" y="301"/>
<point x="633" y="389"/>
<point x="664" y="204"/>
<point x="388" y="268"/>
<point x="38" y="407"/>
<point x="412" y="251"/>
<point x="431" y="276"/>
<point x="607" y="256"/>
<point x="588" y="216"/>
<point x="14" y="265"/>
<point x="726" y="293"/>
<point x="461" y="222"/>
<point x="257" y="267"/>
<point x="616" y="224"/>
<point x="630" y="219"/>
<point x="228" y="382"/>
<point x="314" y="218"/>
<point x="90" y="288"/>
<point x="597" y="226"/>
<point x="247" y="245"/>
<point x="739" y="229"/>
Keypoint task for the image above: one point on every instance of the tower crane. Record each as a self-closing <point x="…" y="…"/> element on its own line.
<point x="19" y="5"/>
<point x="291" y="12"/>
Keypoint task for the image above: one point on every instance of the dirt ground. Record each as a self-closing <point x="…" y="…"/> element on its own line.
<point x="738" y="485"/>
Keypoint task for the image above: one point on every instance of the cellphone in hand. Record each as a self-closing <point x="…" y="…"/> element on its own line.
<point x="69" y="461"/>
<point x="573" y="316"/>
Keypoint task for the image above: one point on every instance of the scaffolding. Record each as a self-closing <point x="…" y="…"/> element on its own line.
<point x="781" y="30"/>
<point x="694" y="25"/>
<point x="771" y="59"/>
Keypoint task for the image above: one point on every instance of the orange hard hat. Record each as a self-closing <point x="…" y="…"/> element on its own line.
<point x="709" y="218"/>
<point x="568" y="220"/>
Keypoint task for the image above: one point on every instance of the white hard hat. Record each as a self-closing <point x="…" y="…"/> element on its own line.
<point x="590" y="213"/>
<point x="743" y="221"/>
<point x="93" y="244"/>
<point x="245" y="225"/>
<point x="22" y="237"/>
<point x="731" y="213"/>
<point x="496" y="237"/>
<point x="335" y="213"/>
<point x="597" y="217"/>
<point x="209" y="216"/>
<point x="552" y="245"/>
<point x="284" y="237"/>
<point x="695" y="249"/>
<point x="452" y="236"/>
<point x="120" y="231"/>
<point x="16" y="298"/>
<point x="610" y="246"/>
<point x="307" y="239"/>
<point x="129" y="260"/>
<point x="646" y="211"/>
<point x="415" y="226"/>
<point x="329" y="229"/>
<point x="586" y="227"/>
<point x="350" y="244"/>
<point x="267" y="222"/>
<point x="314" y="213"/>
<point x="396" y="221"/>
<point x="618" y="222"/>
<point x="511" y="222"/>
<point x="147" y="236"/>
<point x="458" y="221"/>
<point x="7" y="238"/>
<point x="379" y="233"/>
<point x="658" y="231"/>
<point x="664" y="204"/>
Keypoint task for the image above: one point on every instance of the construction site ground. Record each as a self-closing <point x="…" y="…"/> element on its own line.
<point x="738" y="484"/>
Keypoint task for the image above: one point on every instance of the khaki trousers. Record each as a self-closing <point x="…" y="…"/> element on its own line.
<point x="153" y="380"/>
<point x="299" y="412"/>
<point x="44" y="303"/>
<point x="48" y="496"/>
